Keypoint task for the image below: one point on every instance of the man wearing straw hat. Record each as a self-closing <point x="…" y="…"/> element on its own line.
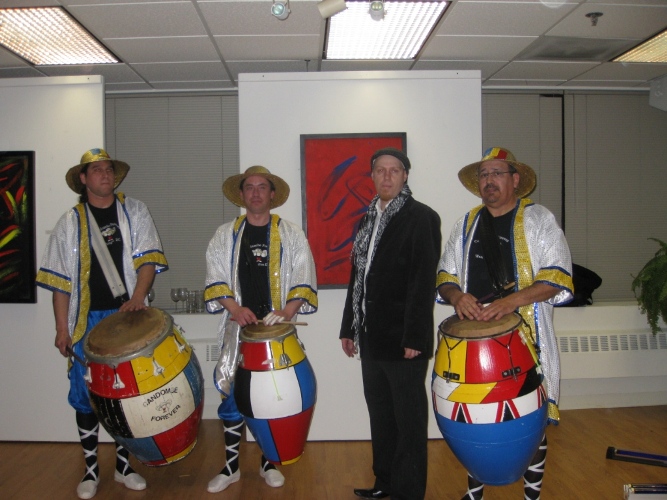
<point x="506" y="255"/>
<point x="259" y="268"/>
<point x="388" y="320"/>
<point x="75" y="268"/>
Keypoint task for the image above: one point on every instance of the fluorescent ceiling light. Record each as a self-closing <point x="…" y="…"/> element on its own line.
<point x="49" y="36"/>
<point x="653" y="50"/>
<point x="353" y="34"/>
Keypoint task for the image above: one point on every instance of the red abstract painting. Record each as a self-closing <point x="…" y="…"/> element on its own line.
<point x="337" y="188"/>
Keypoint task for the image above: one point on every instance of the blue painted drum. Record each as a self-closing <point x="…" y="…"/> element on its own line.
<point x="489" y="397"/>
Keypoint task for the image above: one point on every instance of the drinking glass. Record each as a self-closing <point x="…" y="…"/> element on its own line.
<point x="175" y="297"/>
<point x="183" y="296"/>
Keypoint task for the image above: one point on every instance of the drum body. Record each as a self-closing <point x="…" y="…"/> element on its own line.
<point x="145" y="385"/>
<point x="275" y="390"/>
<point x="488" y="396"/>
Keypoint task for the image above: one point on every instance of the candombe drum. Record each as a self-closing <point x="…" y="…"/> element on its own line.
<point x="488" y="396"/>
<point x="145" y="384"/>
<point x="275" y="390"/>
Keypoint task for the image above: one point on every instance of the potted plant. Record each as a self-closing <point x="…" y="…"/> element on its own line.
<point x="650" y="287"/>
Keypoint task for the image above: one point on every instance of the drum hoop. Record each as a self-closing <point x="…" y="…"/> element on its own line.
<point x="493" y="330"/>
<point x="116" y="360"/>
<point x="278" y="337"/>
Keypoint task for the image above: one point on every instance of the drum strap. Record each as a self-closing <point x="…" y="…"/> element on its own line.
<point x="498" y="272"/>
<point x="104" y="257"/>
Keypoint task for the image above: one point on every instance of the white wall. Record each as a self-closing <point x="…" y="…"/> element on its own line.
<point x="59" y="118"/>
<point x="441" y="113"/>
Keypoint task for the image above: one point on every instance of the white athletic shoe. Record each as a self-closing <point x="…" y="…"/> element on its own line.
<point x="132" y="481"/>
<point x="87" y="489"/>
<point x="221" y="481"/>
<point x="273" y="477"/>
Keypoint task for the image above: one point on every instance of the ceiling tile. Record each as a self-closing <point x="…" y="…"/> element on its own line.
<point x="126" y="20"/>
<point x="537" y="70"/>
<point x="237" y="67"/>
<point x="19" y="73"/>
<point x="163" y="49"/>
<point x="493" y="48"/>
<point x="181" y="72"/>
<point x="329" y="65"/>
<point x="267" y="47"/>
<point x="112" y="73"/>
<point x="243" y="18"/>
<point x="487" y="68"/>
<point x="501" y="18"/>
<point x="618" y="21"/>
<point x="624" y="71"/>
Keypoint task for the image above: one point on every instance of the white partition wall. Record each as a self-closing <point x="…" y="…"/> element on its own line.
<point x="441" y="114"/>
<point x="59" y="119"/>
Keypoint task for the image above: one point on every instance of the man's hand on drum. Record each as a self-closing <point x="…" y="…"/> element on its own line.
<point x="465" y="305"/>
<point x="273" y="317"/>
<point x="497" y="309"/>
<point x="63" y="341"/>
<point x="134" y="304"/>
<point x="244" y="316"/>
<point x="348" y="347"/>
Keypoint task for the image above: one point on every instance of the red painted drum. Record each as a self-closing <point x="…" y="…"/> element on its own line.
<point x="488" y="396"/>
<point x="145" y="384"/>
<point x="275" y="390"/>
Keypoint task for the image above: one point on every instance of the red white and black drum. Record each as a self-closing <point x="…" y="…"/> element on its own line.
<point x="488" y="396"/>
<point x="275" y="390"/>
<point x="145" y="384"/>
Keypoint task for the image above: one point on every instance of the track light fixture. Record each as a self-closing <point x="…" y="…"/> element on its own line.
<point x="376" y="10"/>
<point x="280" y="9"/>
<point x="329" y="8"/>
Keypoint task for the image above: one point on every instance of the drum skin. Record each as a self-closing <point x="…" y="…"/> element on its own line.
<point x="275" y="390"/>
<point x="145" y="385"/>
<point x="488" y="397"/>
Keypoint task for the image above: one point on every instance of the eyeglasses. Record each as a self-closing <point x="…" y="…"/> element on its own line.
<point x="493" y="175"/>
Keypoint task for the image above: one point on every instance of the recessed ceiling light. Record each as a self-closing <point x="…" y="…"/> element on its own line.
<point x="353" y="34"/>
<point x="50" y="36"/>
<point x="653" y="50"/>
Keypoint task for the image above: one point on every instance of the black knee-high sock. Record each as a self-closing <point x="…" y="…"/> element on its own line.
<point x="475" y="489"/>
<point x="266" y="465"/>
<point x="232" y="442"/>
<point x="532" y="478"/>
<point x="123" y="461"/>
<point x="88" y="430"/>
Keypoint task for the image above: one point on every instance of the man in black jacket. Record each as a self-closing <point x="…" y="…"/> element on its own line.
<point x="388" y="320"/>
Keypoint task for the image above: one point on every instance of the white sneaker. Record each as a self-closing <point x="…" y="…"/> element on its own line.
<point x="273" y="477"/>
<point x="132" y="481"/>
<point x="87" y="489"/>
<point x="221" y="481"/>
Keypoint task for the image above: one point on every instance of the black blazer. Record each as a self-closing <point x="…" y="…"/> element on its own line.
<point x="400" y="287"/>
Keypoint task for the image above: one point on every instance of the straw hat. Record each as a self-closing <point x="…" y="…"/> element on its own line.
<point x="120" y="169"/>
<point x="231" y="188"/>
<point x="527" y="177"/>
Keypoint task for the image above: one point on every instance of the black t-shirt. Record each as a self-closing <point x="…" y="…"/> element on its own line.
<point x="254" y="269"/>
<point x="101" y="297"/>
<point x="479" y="280"/>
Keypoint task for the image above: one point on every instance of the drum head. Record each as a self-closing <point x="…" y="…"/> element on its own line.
<point x="261" y="333"/>
<point x="471" y="329"/>
<point x="126" y="334"/>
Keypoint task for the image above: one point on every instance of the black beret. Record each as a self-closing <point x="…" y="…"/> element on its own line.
<point x="396" y="153"/>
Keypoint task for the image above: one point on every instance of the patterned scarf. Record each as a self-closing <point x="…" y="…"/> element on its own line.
<point x="360" y="249"/>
